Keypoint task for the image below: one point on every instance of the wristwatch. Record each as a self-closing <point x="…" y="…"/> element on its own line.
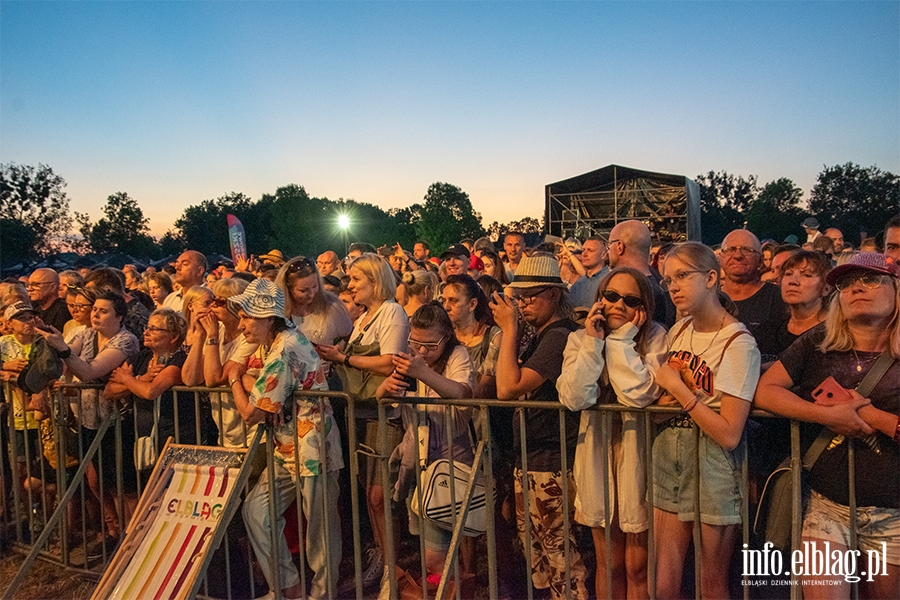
<point x="212" y="341"/>
<point x="347" y="360"/>
<point x="64" y="354"/>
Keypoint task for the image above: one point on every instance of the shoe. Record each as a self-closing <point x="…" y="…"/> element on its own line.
<point x="385" y="592"/>
<point x="95" y="550"/>
<point x="374" y="570"/>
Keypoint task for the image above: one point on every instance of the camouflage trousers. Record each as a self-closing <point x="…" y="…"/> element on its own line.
<point x="547" y="528"/>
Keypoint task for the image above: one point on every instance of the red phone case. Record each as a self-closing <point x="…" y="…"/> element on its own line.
<point x="830" y="392"/>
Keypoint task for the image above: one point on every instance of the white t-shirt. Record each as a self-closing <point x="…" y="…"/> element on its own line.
<point x="389" y="328"/>
<point x="233" y="432"/>
<point x="734" y="372"/>
<point x="175" y="301"/>
<point x="325" y="327"/>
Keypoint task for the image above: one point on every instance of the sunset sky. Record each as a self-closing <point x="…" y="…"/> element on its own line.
<point x="177" y="102"/>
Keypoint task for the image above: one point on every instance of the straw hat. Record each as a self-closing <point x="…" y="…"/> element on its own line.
<point x="273" y="256"/>
<point x="537" y="271"/>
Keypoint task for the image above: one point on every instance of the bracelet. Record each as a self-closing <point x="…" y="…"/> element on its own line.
<point x="897" y="433"/>
<point x="692" y="404"/>
<point x="347" y="361"/>
<point x="212" y="341"/>
<point x="64" y="354"/>
<point x="232" y="382"/>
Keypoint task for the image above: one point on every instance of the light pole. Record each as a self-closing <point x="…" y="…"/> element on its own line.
<point x="344" y="226"/>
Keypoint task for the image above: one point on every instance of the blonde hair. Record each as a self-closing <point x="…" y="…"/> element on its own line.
<point x="379" y="272"/>
<point x="837" y="331"/>
<point x="697" y="256"/>
<point x="415" y="282"/>
<point x="197" y="292"/>
<point x="301" y="267"/>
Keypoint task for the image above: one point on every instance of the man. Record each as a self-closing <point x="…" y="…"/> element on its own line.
<point x="189" y="271"/>
<point x="759" y="304"/>
<point x="811" y="226"/>
<point x="43" y="291"/>
<point x="540" y="293"/>
<point x="514" y="246"/>
<point x="629" y="246"/>
<point x="357" y="249"/>
<point x="779" y="255"/>
<point x="421" y="251"/>
<point x="892" y="240"/>
<point x="273" y="257"/>
<point x="837" y="237"/>
<point x="593" y="259"/>
<point x="456" y="261"/>
<point x="329" y="264"/>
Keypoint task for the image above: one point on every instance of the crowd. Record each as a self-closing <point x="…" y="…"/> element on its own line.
<point x="714" y="331"/>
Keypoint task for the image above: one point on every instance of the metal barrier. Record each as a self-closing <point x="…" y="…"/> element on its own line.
<point x="55" y="542"/>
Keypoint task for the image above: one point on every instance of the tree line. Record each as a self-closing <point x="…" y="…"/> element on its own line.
<point x="35" y="221"/>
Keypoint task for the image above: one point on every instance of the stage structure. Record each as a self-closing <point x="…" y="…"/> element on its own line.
<point x="593" y="203"/>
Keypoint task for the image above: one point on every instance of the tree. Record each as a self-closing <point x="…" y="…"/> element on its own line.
<point x="776" y="212"/>
<point x="447" y="217"/>
<point x="855" y="199"/>
<point x="204" y="227"/>
<point x="35" y="211"/>
<point x="298" y="221"/>
<point x="124" y="228"/>
<point x="527" y="225"/>
<point x="724" y="199"/>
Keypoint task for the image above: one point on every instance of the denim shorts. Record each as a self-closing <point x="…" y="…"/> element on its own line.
<point x="830" y="521"/>
<point x="674" y="477"/>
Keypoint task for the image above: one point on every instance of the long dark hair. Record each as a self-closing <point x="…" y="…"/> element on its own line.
<point x="433" y="316"/>
<point x="473" y="291"/>
<point x="646" y="294"/>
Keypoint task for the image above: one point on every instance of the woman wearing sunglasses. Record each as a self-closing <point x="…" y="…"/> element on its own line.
<point x="614" y="360"/>
<point x="711" y="373"/>
<point x="861" y="330"/>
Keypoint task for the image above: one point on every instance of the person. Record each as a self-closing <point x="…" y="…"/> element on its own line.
<point x="892" y="240"/>
<point x="712" y="371"/>
<point x="189" y="270"/>
<point x="593" y="259"/>
<point x="318" y="314"/>
<point x="514" y="246"/>
<point x="378" y="335"/>
<point x="614" y="359"/>
<point x="863" y="323"/>
<point x="417" y="288"/>
<point x="759" y="304"/>
<point x="805" y="292"/>
<point x="159" y="286"/>
<point x="357" y="249"/>
<point x="195" y="303"/>
<point x="215" y="344"/>
<point x="148" y="376"/>
<point x="91" y="357"/>
<point x="469" y="311"/>
<point x="328" y="263"/>
<point x="540" y="295"/>
<point x="811" y="226"/>
<point x="353" y="309"/>
<point x="290" y="364"/>
<point x="629" y="246"/>
<point x="43" y="291"/>
<point x="111" y="279"/>
<point x="79" y="301"/>
<point x="779" y="255"/>
<point x="69" y="278"/>
<point x="837" y="238"/>
<point x="441" y="368"/>
<point x="493" y="267"/>
<point x="455" y="261"/>
<point x="273" y="257"/>
<point x="421" y="251"/>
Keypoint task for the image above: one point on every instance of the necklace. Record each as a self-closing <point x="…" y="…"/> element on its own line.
<point x="713" y="341"/>
<point x="859" y="362"/>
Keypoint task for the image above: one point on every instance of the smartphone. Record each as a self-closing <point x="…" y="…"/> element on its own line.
<point x="830" y="392"/>
<point x="411" y="383"/>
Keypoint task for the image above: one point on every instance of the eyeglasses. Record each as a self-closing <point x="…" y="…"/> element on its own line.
<point x="417" y="345"/>
<point x="156" y="329"/>
<point x="613" y="297"/>
<point x="38" y="284"/>
<point x="869" y="280"/>
<point x="729" y="250"/>
<point x="219" y="302"/>
<point x="77" y="306"/>
<point x="528" y="300"/>
<point x="679" y="279"/>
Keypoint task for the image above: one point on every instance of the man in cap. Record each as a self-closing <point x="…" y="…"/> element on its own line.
<point x="273" y="257"/>
<point x="189" y="271"/>
<point x="811" y="225"/>
<point x="43" y="291"/>
<point x="456" y="261"/>
<point x="540" y="296"/>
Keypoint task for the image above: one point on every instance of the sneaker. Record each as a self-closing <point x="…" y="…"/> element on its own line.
<point x="374" y="567"/>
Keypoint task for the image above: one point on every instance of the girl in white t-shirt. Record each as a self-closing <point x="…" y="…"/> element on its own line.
<point x="440" y="368"/>
<point x="712" y="371"/>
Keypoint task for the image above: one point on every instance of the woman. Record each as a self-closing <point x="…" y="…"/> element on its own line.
<point x="615" y="359"/>
<point x="148" y="377"/>
<point x="318" y="314"/>
<point x="713" y="364"/>
<point x="441" y="368"/>
<point x="862" y="324"/>
<point x="378" y="336"/>
<point x="217" y="342"/>
<point x="79" y="301"/>
<point x="806" y="293"/>
<point x="417" y="289"/>
<point x="290" y="364"/>
<point x="159" y="285"/>
<point x="196" y="303"/>
<point x="473" y="325"/>
<point x="92" y="355"/>
<point x="494" y="267"/>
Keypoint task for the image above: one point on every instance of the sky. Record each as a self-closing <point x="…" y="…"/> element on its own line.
<point x="178" y="102"/>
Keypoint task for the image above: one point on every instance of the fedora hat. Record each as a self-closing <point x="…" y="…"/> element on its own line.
<point x="540" y="270"/>
<point x="274" y="256"/>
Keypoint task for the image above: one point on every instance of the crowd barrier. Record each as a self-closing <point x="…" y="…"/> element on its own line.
<point x="61" y="525"/>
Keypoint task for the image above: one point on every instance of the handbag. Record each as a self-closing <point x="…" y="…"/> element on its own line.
<point x="436" y="499"/>
<point x="360" y="384"/>
<point x="776" y="508"/>
<point x="146" y="452"/>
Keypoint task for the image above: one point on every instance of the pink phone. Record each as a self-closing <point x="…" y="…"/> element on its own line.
<point x="830" y="392"/>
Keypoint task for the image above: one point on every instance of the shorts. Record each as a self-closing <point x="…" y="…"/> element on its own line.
<point x="368" y="434"/>
<point x="674" y="477"/>
<point x="435" y="538"/>
<point x="830" y="521"/>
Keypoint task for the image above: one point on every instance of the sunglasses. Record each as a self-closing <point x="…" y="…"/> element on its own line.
<point x="301" y="263"/>
<point x="613" y="297"/>
<point x="219" y="302"/>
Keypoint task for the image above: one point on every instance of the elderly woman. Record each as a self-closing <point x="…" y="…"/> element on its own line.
<point x="290" y="364"/>
<point x="861" y="329"/>
<point x="805" y="292"/>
